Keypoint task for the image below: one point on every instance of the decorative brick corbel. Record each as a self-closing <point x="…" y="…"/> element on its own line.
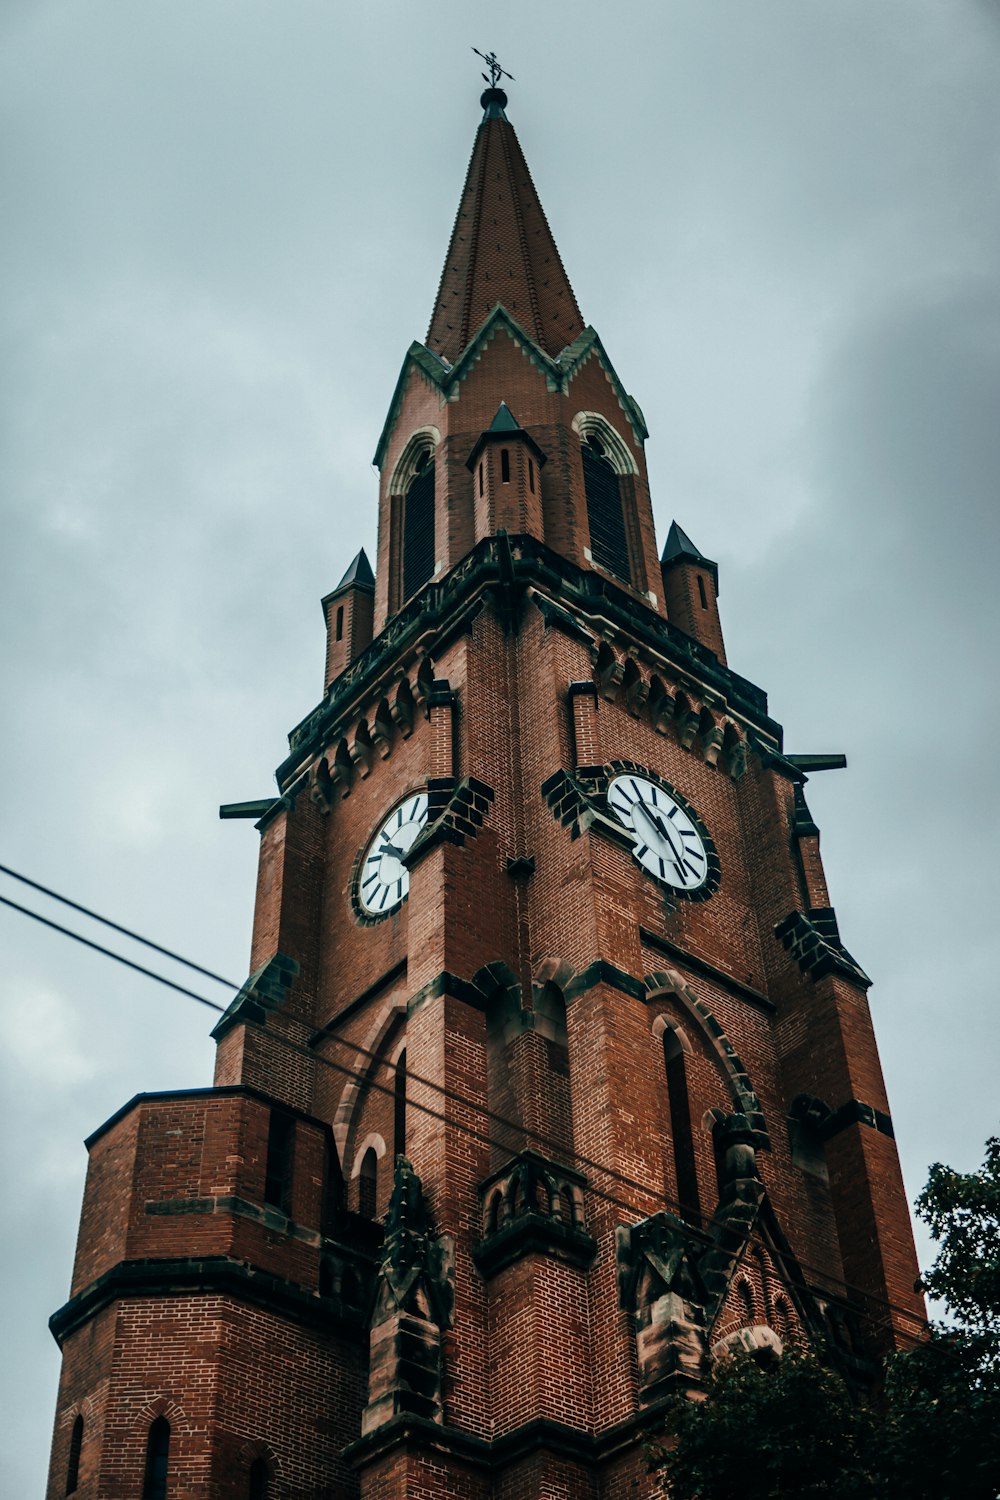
<point x="661" y="706"/>
<point x="635" y="686"/>
<point x="342" y="769"/>
<point x="403" y="708"/>
<point x="321" y="785"/>
<point x="361" y="749"/>
<point x="608" y="672"/>
<point x="734" y="753"/>
<point x="711" y="741"/>
<point x="382" y="730"/>
<point x="687" y="727"/>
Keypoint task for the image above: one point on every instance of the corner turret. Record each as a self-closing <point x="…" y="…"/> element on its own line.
<point x="691" y="590"/>
<point x="348" y="612"/>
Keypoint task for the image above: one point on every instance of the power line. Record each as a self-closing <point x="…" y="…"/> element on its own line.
<point x="115" y="926"/>
<point x="110" y="953"/>
<point x="869" y="1299"/>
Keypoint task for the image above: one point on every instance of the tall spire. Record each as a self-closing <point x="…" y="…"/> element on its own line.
<point x="501" y="250"/>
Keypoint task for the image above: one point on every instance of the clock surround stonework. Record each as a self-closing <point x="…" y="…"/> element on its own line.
<point x="480" y="1183"/>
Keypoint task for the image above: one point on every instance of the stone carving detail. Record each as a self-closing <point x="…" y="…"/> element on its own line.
<point x="414" y="1300"/>
<point x="673" y="1278"/>
<point x="532" y="1203"/>
<point x="720" y="741"/>
<point x="354" y="753"/>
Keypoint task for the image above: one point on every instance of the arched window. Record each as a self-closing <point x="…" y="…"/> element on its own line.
<point x="418" y="526"/>
<point x="368" y="1184"/>
<point x="675" y="1061"/>
<point x="73" y="1465"/>
<point x="154" y="1484"/>
<point x="399" y="1107"/>
<point x="605" y="516"/>
<point x="257" y="1486"/>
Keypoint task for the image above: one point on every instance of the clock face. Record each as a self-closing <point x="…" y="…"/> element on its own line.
<point x="668" y="842"/>
<point x="383" y="880"/>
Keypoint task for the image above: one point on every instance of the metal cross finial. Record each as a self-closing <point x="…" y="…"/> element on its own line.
<point x="496" y="72"/>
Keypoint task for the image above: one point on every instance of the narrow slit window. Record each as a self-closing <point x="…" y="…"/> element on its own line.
<point x="719" y="1152"/>
<point x="531" y="475"/>
<point x="701" y="592"/>
<point x="368" y="1184"/>
<point x="73" y="1465"/>
<point x="280" y="1151"/>
<point x="399" y="1107"/>
<point x="480" y="479"/>
<point x="340" y="622"/>
<point x="257" y="1487"/>
<point x="154" y="1484"/>
<point x="680" y="1129"/>
<point x="505" y="465"/>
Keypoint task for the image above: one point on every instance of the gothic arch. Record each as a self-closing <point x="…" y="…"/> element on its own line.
<point x="159" y="1406"/>
<point x="424" y="440"/>
<point x="669" y="982"/>
<point x="592" y="424"/>
<point x="497" y="979"/>
<point x="251" y="1451"/>
<point x="371" y="1142"/>
<point x="369" y="1057"/>
<point x="557" y="971"/>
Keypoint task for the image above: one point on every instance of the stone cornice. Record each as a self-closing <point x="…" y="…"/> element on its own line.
<point x="585" y="597"/>
<point x="211" y="1275"/>
<point x="497" y="1454"/>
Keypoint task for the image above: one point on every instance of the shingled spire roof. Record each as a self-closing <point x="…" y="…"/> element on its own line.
<point x="501" y="250"/>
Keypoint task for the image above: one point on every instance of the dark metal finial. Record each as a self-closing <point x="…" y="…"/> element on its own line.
<point x="496" y="72"/>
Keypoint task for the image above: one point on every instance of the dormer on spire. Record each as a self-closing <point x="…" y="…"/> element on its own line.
<point x="506" y="468"/>
<point x="502" y="250"/>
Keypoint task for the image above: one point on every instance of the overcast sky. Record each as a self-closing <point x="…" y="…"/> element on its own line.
<point x="222" y="224"/>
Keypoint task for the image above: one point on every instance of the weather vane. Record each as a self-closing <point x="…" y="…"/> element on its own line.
<point x="496" y="72"/>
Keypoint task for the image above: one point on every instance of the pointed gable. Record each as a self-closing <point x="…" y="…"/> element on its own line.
<point x="501" y="251"/>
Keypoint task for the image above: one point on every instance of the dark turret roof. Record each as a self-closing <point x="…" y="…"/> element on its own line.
<point x="359" y="574"/>
<point x="504" y="421"/>
<point x="680" y="548"/>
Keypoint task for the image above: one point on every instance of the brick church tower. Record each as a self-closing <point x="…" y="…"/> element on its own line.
<point x="553" y="1080"/>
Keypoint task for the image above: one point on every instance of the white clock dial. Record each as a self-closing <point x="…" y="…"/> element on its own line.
<point x="667" y="841"/>
<point x="383" y="879"/>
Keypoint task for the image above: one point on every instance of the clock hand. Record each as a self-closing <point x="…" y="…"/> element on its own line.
<point x="388" y="848"/>
<point x="661" y="828"/>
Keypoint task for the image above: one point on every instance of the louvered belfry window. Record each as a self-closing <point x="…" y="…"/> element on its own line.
<point x="418" y="528"/>
<point x="608" y="543"/>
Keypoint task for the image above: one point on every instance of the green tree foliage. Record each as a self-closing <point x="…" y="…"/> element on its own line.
<point x="793" y="1429"/>
<point x="769" y="1432"/>
<point x="962" y="1212"/>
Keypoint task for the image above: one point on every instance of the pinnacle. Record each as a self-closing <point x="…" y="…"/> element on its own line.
<point x="679" y="545"/>
<point x="359" y="573"/>
<point x="504" y="421"/>
<point x="680" y="548"/>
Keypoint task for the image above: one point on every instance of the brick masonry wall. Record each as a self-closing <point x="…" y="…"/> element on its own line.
<point x="519" y="912"/>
